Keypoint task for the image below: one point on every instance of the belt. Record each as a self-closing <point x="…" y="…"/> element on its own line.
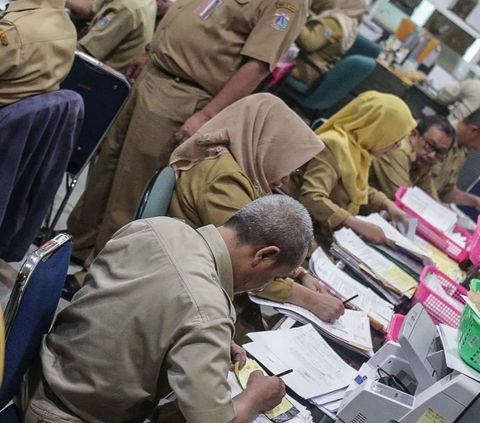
<point x="182" y="80"/>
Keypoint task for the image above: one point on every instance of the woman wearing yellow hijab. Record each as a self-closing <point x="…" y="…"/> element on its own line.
<point x="333" y="185"/>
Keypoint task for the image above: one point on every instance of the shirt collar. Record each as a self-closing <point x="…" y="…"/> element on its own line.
<point x="19" y="5"/>
<point x="223" y="263"/>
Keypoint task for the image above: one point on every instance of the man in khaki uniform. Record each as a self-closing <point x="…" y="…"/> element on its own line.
<point x="204" y="56"/>
<point x="156" y="315"/>
<point x="411" y="163"/>
<point x="37" y="47"/>
<point x="119" y="31"/>
<point x="445" y="174"/>
<point x="465" y="94"/>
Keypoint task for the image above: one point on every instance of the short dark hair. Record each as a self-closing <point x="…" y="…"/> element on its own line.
<point x="441" y="122"/>
<point x="277" y="220"/>
<point x="473" y="118"/>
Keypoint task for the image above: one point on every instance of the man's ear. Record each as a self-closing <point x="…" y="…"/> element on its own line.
<point x="474" y="128"/>
<point x="266" y="256"/>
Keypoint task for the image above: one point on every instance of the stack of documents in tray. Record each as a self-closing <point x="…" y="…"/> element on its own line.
<point x="318" y="375"/>
<point x="374" y="269"/>
<point x="352" y="330"/>
<point x="439" y="216"/>
<point x="378" y="310"/>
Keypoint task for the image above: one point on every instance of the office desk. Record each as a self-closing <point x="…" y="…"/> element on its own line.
<point x="388" y="80"/>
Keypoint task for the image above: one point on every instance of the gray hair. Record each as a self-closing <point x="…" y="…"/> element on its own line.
<point x="276" y="220"/>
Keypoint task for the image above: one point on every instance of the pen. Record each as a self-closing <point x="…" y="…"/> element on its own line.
<point x="350" y="299"/>
<point x="286" y="372"/>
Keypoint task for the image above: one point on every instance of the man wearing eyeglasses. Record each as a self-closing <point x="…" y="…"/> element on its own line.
<point x="411" y="163"/>
<point x="445" y="174"/>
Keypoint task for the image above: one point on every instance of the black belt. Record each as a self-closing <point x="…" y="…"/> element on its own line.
<point x="182" y="80"/>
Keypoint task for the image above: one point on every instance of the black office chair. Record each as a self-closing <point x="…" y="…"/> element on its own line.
<point x="104" y="92"/>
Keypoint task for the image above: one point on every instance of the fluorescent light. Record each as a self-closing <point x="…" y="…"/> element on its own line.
<point x="472" y="51"/>
<point x="422" y="13"/>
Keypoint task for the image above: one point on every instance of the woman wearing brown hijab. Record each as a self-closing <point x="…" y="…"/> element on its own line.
<point x="240" y="155"/>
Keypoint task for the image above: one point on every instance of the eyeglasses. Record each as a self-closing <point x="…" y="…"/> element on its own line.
<point x="432" y="148"/>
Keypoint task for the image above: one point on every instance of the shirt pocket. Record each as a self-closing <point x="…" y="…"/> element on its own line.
<point x="231" y="13"/>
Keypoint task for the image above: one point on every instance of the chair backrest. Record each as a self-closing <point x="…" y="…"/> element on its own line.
<point x="338" y="82"/>
<point x="364" y="47"/>
<point x="104" y="92"/>
<point x="31" y="309"/>
<point x="157" y="194"/>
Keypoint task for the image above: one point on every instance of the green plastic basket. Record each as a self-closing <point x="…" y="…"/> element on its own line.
<point x="469" y="338"/>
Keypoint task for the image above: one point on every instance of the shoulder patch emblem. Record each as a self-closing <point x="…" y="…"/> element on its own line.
<point x="328" y="32"/>
<point x="280" y="21"/>
<point x="104" y="21"/>
<point x="3" y="38"/>
<point x="287" y="6"/>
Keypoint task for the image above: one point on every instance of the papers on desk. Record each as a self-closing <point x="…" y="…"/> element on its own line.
<point x="351" y="330"/>
<point x="442" y="262"/>
<point x="449" y="337"/>
<point x="317" y="369"/>
<point x="434" y="213"/>
<point x="378" y="310"/>
<point x="375" y="264"/>
<point x="303" y="416"/>
<point x="392" y="234"/>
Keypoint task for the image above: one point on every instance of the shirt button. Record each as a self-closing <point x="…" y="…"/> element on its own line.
<point x="41" y="417"/>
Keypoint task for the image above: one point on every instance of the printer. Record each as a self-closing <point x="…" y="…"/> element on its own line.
<point x="407" y="378"/>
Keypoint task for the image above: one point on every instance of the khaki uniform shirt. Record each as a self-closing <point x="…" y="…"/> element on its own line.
<point x="466" y="94"/>
<point x="156" y="314"/>
<point x="445" y="174"/>
<point x="319" y="187"/>
<point x="209" y="45"/>
<point x="120" y="31"/>
<point x="396" y="169"/>
<point x="211" y="193"/>
<point x="321" y="41"/>
<point x="37" y="47"/>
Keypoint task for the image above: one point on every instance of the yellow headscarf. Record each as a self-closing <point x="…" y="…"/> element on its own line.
<point x="367" y="124"/>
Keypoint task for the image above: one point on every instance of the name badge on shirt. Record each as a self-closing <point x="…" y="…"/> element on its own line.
<point x="206" y="8"/>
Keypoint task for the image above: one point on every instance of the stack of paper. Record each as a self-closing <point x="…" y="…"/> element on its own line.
<point x="317" y="369"/>
<point x="407" y="255"/>
<point x="434" y="213"/>
<point x="351" y="330"/>
<point x="442" y="262"/>
<point x="356" y="252"/>
<point x="378" y="310"/>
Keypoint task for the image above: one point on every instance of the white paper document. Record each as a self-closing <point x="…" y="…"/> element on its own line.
<point x="449" y="337"/>
<point x="392" y="234"/>
<point x="376" y="307"/>
<point x="317" y="369"/>
<point x="375" y="261"/>
<point x="352" y="328"/>
<point x="304" y="416"/>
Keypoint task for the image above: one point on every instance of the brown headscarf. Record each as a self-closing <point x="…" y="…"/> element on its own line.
<point x="266" y="138"/>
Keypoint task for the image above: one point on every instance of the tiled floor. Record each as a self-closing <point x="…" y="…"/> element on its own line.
<point x="8" y="271"/>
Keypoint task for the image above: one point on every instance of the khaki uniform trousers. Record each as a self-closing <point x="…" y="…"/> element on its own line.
<point x="140" y="141"/>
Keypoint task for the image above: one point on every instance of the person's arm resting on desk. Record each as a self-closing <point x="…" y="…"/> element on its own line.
<point x="460" y="197"/>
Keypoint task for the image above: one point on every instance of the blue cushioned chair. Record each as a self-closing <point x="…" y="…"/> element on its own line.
<point x="157" y="194"/>
<point x="30" y="312"/>
<point x="332" y="86"/>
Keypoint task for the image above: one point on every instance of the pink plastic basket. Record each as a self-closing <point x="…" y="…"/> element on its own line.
<point x="394" y="327"/>
<point x="475" y="245"/>
<point x="433" y="235"/>
<point x="437" y="308"/>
